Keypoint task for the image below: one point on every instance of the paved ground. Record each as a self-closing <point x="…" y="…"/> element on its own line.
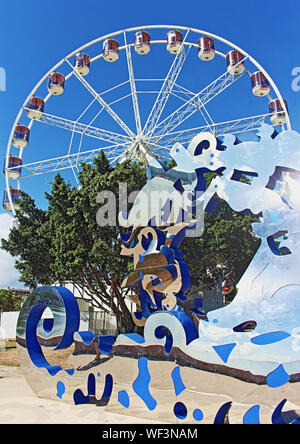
<point x="19" y="405"/>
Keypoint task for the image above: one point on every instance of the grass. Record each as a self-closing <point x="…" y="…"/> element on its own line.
<point x="9" y="357"/>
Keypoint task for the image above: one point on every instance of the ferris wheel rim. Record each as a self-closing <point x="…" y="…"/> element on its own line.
<point x="124" y="31"/>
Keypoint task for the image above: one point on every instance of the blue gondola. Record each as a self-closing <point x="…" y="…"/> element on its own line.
<point x="15" y="196"/>
<point x="14" y="168"/>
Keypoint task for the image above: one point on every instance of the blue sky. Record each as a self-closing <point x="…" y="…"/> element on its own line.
<point x="35" y="35"/>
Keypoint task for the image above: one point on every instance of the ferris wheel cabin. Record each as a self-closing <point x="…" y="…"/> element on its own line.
<point x="56" y="83"/>
<point x="14" y="167"/>
<point x="235" y="66"/>
<point x="206" y="49"/>
<point x="174" y="41"/>
<point x="278" y="116"/>
<point x="111" y="50"/>
<point x="15" y="196"/>
<point x="82" y="63"/>
<point x="21" y="136"/>
<point x="259" y="84"/>
<point x="35" y="108"/>
<point x="142" y="42"/>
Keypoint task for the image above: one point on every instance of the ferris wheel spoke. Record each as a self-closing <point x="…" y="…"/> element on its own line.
<point x="195" y="103"/>
<point x="86" y="130"/>
<point x="133" y="88"/>
<point x="205" y="114"/>
<point x="65" y="162"/>
<point x="102" y="102"/>
<point x="166" y="89"/>
<point x="203" y="111"/>
<point x="219" y="129"/>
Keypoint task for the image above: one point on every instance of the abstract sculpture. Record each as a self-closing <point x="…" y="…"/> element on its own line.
<point x="185" y="355"/>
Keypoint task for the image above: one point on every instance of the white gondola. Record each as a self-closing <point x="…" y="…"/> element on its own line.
<point x="142" y="42"/>
<point x="20" y="137"/>
<point x="278" y="116"/>
<point x="111" y="50"/>
<point x="259" y="84"/>
<point x="82" y="63"/>
<point x="15" y="196"/>
<point x="206" y="49"/>
<point x="56" y="83"/>
<point x="234" y="62"/>
<point x="35" y="108"/>
<point x="14" y="167"/>
<point x="174" y="41"/>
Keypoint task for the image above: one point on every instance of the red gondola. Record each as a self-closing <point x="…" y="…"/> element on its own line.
<point x="174" y="41"/>
<point x="82" y="63"/>
<point x="259" y="84"/>
<point x="35" y="108"/>
<point x="234" y="64"/>
<point x="56" y="83"/>
<point x="278" y="116"/>
<point x="110" y="50"/>
<point x="142" y="42"/>
<point x="21" y="136"/>
<point x="206" y="49"/>
<point x="15" y="196"/>
<point x="14" y="167"/>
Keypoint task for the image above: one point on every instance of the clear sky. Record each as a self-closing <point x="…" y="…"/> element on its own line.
<point x="35" y="35"/>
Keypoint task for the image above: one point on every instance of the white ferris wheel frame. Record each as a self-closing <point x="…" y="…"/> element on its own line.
<point x="193" y="103"/>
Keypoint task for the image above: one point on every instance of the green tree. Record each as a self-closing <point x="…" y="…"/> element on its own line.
<point x="9" y="301"/>
<point x="65" y="243"/>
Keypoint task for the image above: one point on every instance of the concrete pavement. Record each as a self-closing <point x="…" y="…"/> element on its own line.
<point x="19" y="405"/>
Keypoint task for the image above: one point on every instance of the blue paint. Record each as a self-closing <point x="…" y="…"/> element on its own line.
<point x="91" y="385"/>
<point x="135" y="337"/>
<point x="270" y="338"/>
<point x="107" y="388"/>
<point x="80" y="398"/>
<point x="60" y="389"/>
<point x="276" y="416"/>
<point x="190" y="329"/>
<point x="198" y="415"/>
<point x="278" y="377"/>
<point x="86" y="336"/>
<point x="180" y="410"/>
<point x="40" y="302"/>
<point x="160" y="333"/>
<point x="141" y="384"/>
<point x="252" y="415"/>
<point x="222" y="413"/>
<point x="105" y="344"/>
<point x="177" y="381"/>
<point x="48" y="324"/>
<point x="123" y="398"/>
<point x="70" y="371"/>
<point x="224" y="351"/>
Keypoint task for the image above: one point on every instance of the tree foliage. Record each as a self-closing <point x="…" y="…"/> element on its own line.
<point x="9" y="301"/>
<point x="65" y="244"/>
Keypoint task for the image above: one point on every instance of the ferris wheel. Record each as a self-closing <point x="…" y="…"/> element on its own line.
<point x="133" y="93"/>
